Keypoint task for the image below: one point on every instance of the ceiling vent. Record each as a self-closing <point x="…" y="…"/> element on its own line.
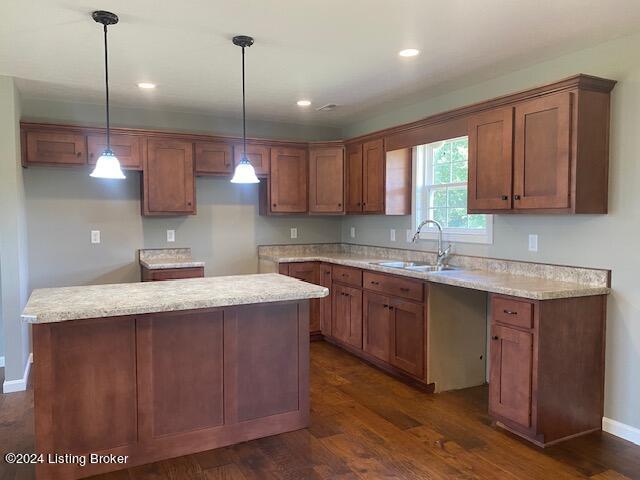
<point x="327" y="108"/>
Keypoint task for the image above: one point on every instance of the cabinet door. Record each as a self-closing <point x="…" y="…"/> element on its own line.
<point x="309" y="272"/>
<point x="258" y="155"/>
<point x="373" y="177"/>
<point x="128" y="149"/>
<point x="326" y="180"/>
<point x="542" y="150"/>
<point x="347" y="315"/>
<point x="169" y="178"/>
<point x="354" y="178"/>
<point x="490" y="160"/>
<point x="408" y="337"/>
<point x="325" y="303"/>
<point x="376" y="318"/>
<point x="214" y="158"/>
<point x="288" y="180"/>
<point x="56" y="148"/>
<point x="511" y="356"/>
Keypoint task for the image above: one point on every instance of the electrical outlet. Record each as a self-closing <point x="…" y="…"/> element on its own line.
<point x="95" y="236"/>
<point x="392" y="235"/>
<point x="533" y="242"/>
<point x="409" y="236"/>
<point x="353" y="232"/>
<point x="294" y="233"/>
<point x="171" y="236"/>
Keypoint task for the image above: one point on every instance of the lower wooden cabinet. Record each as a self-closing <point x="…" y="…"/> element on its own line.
<point x="347" y="315"/>
<point x="377" y="326"/>
<point x="158" y="275"/>
<point x="169" y="178"/>
<point x="546" y="366"/>
<point x="408" y="342"/>
<point x="325" y="303"/>
<point x="309" y="272"/>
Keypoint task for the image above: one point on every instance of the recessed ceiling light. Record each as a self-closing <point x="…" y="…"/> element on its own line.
<point x="146" y="85"/>
<point x="303" y="103"/>
<point x="409" y="52"/>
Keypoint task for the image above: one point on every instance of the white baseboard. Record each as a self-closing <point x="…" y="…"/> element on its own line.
<point x="621" y="430"/>
<point x="1" y="362"/>
<point x="11" y="386"/>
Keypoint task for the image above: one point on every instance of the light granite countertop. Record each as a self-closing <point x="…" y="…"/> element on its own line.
<point x="535" y="288"/>
<point x="164" y="258"/>
<point x="48" y="305"/>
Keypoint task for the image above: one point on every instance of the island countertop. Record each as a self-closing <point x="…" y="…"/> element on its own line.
<point x="49" y="305"/>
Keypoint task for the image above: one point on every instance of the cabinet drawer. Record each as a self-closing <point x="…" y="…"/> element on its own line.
<point x="396" y="286"/>
<point x="348" y="275"/>
<point x="171" y="274"/>
<point x="518" y="313"/>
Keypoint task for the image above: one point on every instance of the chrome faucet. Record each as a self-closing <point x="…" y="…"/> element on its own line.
<point x="442" y="254"/>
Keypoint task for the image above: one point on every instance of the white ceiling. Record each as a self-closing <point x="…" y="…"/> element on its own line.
<point x="329" y="51"/>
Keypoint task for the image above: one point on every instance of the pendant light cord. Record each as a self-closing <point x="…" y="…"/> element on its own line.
<point x="244" y="114"/>
<point x="106" y="79"/>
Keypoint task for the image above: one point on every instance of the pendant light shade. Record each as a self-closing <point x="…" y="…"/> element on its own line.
<point x="107" y="165"/>
<point x="244" y="173"/>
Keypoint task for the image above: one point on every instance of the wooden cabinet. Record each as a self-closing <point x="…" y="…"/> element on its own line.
<point x="309" y="272"/>
<point x="408" y="342"/>
<point x="213" y="158"/>
<point x="373" y="177"/>
<point x="325" y="303"/>
<point x="288" y="181"/>
<point x="258" y="155"/>
<point x="326" y="180"/>
<point x="490" y="165"/>
<point x="548" y="154"/>
<point x="128" y="149"/>
<point x="158" y="275"/>
<point x="55" y="148"/>
<point x="542" y="151"/>
<point x="354" y="178"/>
<point x="169" y="179"/>
<point x="511" y="374"/>
<point x="347" y="315"/>
<point x="546" y="366"/>
<point x="377" y="325"/>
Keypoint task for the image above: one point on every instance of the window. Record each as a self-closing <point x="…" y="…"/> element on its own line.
<point x="441" y="173"/>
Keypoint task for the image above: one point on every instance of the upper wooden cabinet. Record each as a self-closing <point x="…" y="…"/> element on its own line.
<point x="326" y="180"/>
<point x="213" y="158"/>
<point x="258" y="155"/>
<point x="169" y="179"/>
<point x="547" y="154"/>
<point x="353" y="173"/>
<point x="128" y="149"/>
<point x="54" y="148"/>
<point x="288" y="181"/>
<point x="490" y="165"/>
<point x="373" y="176"/>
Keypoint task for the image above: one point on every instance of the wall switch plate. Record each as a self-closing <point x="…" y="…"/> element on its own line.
<point x="294" y="233"/>
<point x="409" y="236"/>
<point x="171" y="236"/>
<point x="352" y="233"/>
<point x="533" y="242"/>
<point x="95" y="236"/>
<point x="392" y="234"/>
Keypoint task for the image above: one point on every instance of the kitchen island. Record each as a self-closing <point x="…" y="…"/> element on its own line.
<point x="147" y="371"/>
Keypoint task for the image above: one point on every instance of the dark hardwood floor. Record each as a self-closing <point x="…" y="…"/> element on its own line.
<point x="366" y="425"/>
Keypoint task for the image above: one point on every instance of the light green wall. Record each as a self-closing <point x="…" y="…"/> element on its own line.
<point x="605" y="241"/>
<point x="13" y="236"/>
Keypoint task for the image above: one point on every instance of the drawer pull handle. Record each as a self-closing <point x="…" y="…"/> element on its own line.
<point x="386" y="306"/>
<point x="404" y="289"/>
<point x="495" y="337"/>
<point x="375" y="283"/>
<point x="516" y="197"/>
<point x="390" y="307"/>
<point x="510" y="312"/>
<point x="504" y="197"/>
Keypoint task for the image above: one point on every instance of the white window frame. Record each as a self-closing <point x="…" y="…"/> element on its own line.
<point x="420" y="194"/>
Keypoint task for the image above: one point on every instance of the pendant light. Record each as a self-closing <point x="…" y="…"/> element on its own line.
<point x="107" y="165"/>
<point x="244" y="173"/>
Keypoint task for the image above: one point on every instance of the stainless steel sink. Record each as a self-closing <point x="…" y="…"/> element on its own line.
<point x="413" y="266"/>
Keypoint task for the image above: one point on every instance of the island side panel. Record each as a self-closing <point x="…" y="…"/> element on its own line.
<point x="84" y="391"/>
<point x="175" y="383"/>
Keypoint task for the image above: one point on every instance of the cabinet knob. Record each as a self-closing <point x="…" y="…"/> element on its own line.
<point x="505" y="197"/>
<point x="510" y="312"/>
<point x="358" y="204"/>
<point x="188" y="204"/>
<point x="404" y="289"/>
<point x="339" y="204"/>
<point x="495" y="337"/>
<point x="385" y="306"/>
<point x="516" y="197"/>
<point x="78" y="154"/>
<point x="275" y="204"/>
<point x="374" y="283"/>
